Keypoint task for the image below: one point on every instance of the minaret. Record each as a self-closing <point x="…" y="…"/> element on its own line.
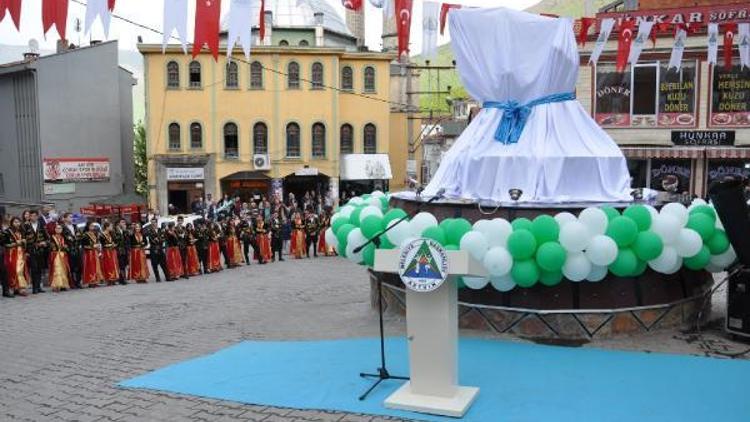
<point x="355" y="21"/>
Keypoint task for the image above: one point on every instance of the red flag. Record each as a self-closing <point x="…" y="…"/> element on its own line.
<point x="55" y="12"/>
<point x="444" y="9"/>
<point x="207" y="14"/>
<point x="623" y="44"/>
<point x="111" y="5"/>
<point x="262" y="20"/>
<point x="2" y="10"/>
<point x="403" y="25"/>
<point x="730" y="29"/>
<point x="13" y="7"/>
<point x="585" y="25"/>
<point x="352" y="4"/>
<point x="657" y="28"/>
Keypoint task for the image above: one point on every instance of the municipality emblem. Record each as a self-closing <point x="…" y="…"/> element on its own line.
<point x="423" y="265"/>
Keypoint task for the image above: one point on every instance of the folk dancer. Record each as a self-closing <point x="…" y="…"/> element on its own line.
<point x="277" y="231"/>
<point x="121" y="237"/>
<point x="325" y="224"/>
<point x="263" y="253"/>
<point x="248" y="238"/>
<point x="181" y="232"/>
<point x="72" y="236"/>
<point x="110" y="264"/>
<point x="192" y="262"/>
<point x="16" y="269"/>
<point x="4" y="225"/>
<point x="202" y="238"/>
<point x="37" y="245"/>
<point x="155" y="237"/>
<point x="138" y="269"/>
<point x="298" y="236"/>
<point x="234" y="249"/>
<point x="59" y="266"/>
<point x="92" y="266"/>
<point x="175" y="267"/>
<point x="312" y="227"/>
<point x="213" y="232"/>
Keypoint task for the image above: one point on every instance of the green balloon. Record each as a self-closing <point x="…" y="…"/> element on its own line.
<point x="699" y="261"/>
<point x="435" y="233"/>
<point x="445" y="223"/>
<point x="385" y="243"/>
<point x="550" y="278"/>
<point x="703" y="224"/>
<point x="640" y="215"/>
<point x="623" y="231"/>
<point x="550" y="256"/>
<point x="457" y="229"/>
<point x="384" y="202"/>
<point x="641" y="268"/>
<point x="525" y="273"/>
<point x="522" y="223"/>
<point x="611" y="212"/>
<point x="718" y="243"/>
<point x="648" y="245"/>
<point x="521" y="244"/>
<point x="341" y="235"/>
<point x="365" y="197"/>
<point x="625" y="264"/>
<point x="371" y="226"/>
<point x="706" y="210"/>
<point x="451" y="247"/>
<point x="460" y="283"/>
<point x="368" y="255"/>
<point x="354" y="218"/>
<point x="545" y="229"/>
<point x="336" y="225"/>
<point x="394" y="214"/>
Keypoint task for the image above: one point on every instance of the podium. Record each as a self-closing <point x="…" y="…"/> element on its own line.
<point x="432" y="334"/>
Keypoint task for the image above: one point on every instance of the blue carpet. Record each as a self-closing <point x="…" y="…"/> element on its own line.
<point x="519" y="382"/>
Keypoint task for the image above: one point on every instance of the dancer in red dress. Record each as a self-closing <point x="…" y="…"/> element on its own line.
<point x="174" y="259"/>
<point x="92" y="266"/>
<point x="15" y="258"/>
<point x="59" y="265"/>
<point x="192" y="263"/>
<point x="263" y="253"/>
<point x="325" y="223"/>
<point x="138" y="269"/>
<point x="234" y="248"/>
<point x="298" y="237"/>
<point x="110" y="262"/>
<point x="214" y="250"/>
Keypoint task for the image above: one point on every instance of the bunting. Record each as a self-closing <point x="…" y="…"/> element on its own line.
<point x="659" y="28"/>
<point x="175" y="19"/>
<point x="111" y="5"/>
<point x="100" y="9"/>
<point x="712" y="40"/>
<point x="13" y="8"/>
<point x="584" y="31"/>
<point x="729" y="30"/>
<point x="55" y="12"/>
<point x="623" y="44"/>
<point x="207" y="14"/>
<point x="675" y="59"/>
<point x="354" y="5"/>
<point x="605" y="28"/>
<point x="444" y="9"/>
<point x="239" y="26"/>
<point x="403" y="24"/>
<point x="743" y="30"/>
<point x="644" y="29"/>
<point x="430" y="16"/>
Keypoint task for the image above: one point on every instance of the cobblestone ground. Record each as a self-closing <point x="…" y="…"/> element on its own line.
<point x="61" y="355"/>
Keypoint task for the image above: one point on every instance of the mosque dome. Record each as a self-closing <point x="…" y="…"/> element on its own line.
<point x="286" y="13"/>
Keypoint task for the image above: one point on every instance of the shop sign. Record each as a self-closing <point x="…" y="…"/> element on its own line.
<point x="59" y="188"/>
<point x="307" y="171"/>
<point x="702" y="15"/>
<point x="185" y="173"/>
<point x="703" y="138"/>
<point x="670" y="175"/>
<point x="721" y="171"/>
<point x="76" y="169"/>
<point x="730" y="97"/>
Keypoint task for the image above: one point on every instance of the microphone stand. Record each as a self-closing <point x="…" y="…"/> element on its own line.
<point x="382" y="372"/>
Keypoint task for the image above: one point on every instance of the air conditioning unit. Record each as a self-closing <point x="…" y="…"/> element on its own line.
<point x="261" y="162"/>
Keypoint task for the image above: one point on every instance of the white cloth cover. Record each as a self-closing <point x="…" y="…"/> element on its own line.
<point x="562" y="154"/>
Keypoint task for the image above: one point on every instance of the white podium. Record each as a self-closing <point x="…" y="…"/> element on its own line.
<point x="432" y="332"/>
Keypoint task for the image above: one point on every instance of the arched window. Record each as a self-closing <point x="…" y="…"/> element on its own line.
<point x="196" y="136"/>
<point x="260" y="138"/>
<point x="174" y="136"/>
<point x="346" y="140"/>
<point x="284" y="43"/>
<point x="256" y="75"/>
<point x="370" y="139"/>
<point x="370" y="79"/>
<point x="231" y="144"/>
<point x="347" y="78"/>
<point x="173" y="75"/>
<point x="317" y="75"/>
<point x="304" y="43"/>
<point x="195" y="74"/>
<point x="233" y="77"/>
<point x="292" y="77"/>
<point x="292" y="141"/>
<point x="318" y="140"/>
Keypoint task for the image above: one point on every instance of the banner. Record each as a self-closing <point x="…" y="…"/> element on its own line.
<point x="584" y="30"/>
<point x="76" y="169"/>
<point x="100" y="9"/>
<point x="354" y="5"/>
<point x="743" y="30"/>
<point x="430" y="16"/>
<point x="444" y="9"/>
<point x="111" y="5"/>
<point x="604" y="31"/>
<point x="403" y="25"/>
<point x="262" y="22"/>
<point x="729" y="30"/>
<point x="675" y="59"/>
<point x="240" y="26"/>
<point x="623" y="44"/>
<point x="712" y="39"/>
<point x="13" y="7"/>
<point x="686" y="15"/>
<point x="175" y="19"/>
<point x="644" y="29"/>
<point x="207" y="14"/>
<point x="55" y="12"/>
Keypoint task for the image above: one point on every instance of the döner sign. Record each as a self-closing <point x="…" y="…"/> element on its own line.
<point x="704" y="138"/>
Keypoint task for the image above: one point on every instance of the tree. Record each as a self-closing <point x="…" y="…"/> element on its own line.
<point x="140" y="159"/>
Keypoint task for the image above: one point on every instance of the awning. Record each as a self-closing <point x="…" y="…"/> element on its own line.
<point x="248" y="175"/>
<point x="727" y="153"/>
<point x="667" y="152"/>
<point x="365" y="167"/>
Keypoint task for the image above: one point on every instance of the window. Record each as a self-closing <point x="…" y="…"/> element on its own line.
<point x="370" y="139"/>
<point x="370" y="79"/>
<point x="304" y="43"/>
<point x="196" y="136"/>
<point x="284" y="43"/>
<point x="292" y="76"/>
<point x="233" y="78"/>
<point x="260" y="138"/>
<point x="730" y="96"/>
<point x="347" y="78"/>
<point x="231" y="145"/>
<point x="256" y="75"/>
<point x="638" y="170"/>
<point x="346" y="140"/>
<point x="173" y="75"/>
<point x="293" y="149"/>
<point x="318" y="140"/>
<point x="195" y="74"/>
<point x="174" y="136"/>
<point x="719" y="170"/>
<point x="317" y="76"/>
<point x="671" y="175"/>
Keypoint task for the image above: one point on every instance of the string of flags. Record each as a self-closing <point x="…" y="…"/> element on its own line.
<point x="632" y="33"/>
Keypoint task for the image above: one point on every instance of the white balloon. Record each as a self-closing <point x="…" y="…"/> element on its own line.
<point x="688" y="243"/>
<point x="666" y="261"/>
<point x="356" y="238"/>
<point x="696" y="202"/>
<point x="496" y="232"/>
<point x="602" y="250"/>
<point x="354" y="257"/>
<point x="375" y="202"/>
<point x="476" y="283"/>
<point x="667" y="227"/>
<point x="575" y="236"/>
<point x="597" y="273"/>
<point x="346" y="211"/>
<point x="577" y="267"/>
<point x="377" y="194"/>
<point x="368" y="211"/>
<point x="564" y="218"/>
<point x="711" y="268"/>
<point x="676" y="267"/>
<point x="396" y="235"/>
<point x="652" y="211"/>
<point x="498" y="261"/>
<point x="594" y="219"/>
<point x="331" y="239"/>
<point x="676" y="210"/>
<point x="422" y="221"/>
<point x="503" y="284"/>
<point x="475" y="243"/>
<point x="356" y="201"/>
<point x="725" y="259"/>
<point x="479" y="225"/>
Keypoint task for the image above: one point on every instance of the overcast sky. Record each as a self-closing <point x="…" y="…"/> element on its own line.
<point x="149" y="13"/>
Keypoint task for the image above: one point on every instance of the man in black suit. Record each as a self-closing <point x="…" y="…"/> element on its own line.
<point x="156" y="249"/>
<point x="37" y="243"/>
<point x="120" y="237"/>
<point x="72" y="241"/>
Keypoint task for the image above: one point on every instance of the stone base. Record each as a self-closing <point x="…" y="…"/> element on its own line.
<point x="455" y="406"/>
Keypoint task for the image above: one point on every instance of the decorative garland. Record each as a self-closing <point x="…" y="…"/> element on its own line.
<point x="546" y="250"/>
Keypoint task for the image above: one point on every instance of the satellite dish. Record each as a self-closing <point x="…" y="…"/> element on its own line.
<point x="34" y="46"/>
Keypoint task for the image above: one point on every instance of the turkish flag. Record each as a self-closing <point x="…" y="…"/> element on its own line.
<point x="262" y="20"/>
<point x="403" y="25"/>
<point x="352" y="4"/>
<point x="730" y="30"/>
<point x="111" y="5"/>
<point x="623" y="44"/>
<point x="444" y="9"/>
<point x="55" y="12"/>
<point x="13" y="7"/>
<point x="658" y="27"/>
<point x="585" y="25"/>
<point x="207" y="15"/>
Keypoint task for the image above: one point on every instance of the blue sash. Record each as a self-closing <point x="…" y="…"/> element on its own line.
<point x="515" y="115"/>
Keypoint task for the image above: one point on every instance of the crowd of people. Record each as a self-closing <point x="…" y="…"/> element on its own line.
<point x="39" y="251"/>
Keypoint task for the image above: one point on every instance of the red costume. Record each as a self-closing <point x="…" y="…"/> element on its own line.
<point x="59" y="266"/>
<point x="15" y="260"/>
<point x="138" y="270"/>
<point x="214" y="251"/>
<point x="263" y="252"/>
<point x="174" y="259"/>
<point x="192" y="264"/>
<point x="298" y="239"/>
<point x="234" y="248"/>
<point x="110" y="263"/>
<point x="92" y="266"/>
<point x="325" y="223"/>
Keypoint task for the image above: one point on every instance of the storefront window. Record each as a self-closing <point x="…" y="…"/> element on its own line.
<point x="671" y="175"/>
<point x="638" y="173"/>
<point x="719" y="170"/>
<point x="730" y="97"/>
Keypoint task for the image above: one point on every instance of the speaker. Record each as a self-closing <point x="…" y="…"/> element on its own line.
<point x="728" y="198"/>
<point x="738" y="303"/>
